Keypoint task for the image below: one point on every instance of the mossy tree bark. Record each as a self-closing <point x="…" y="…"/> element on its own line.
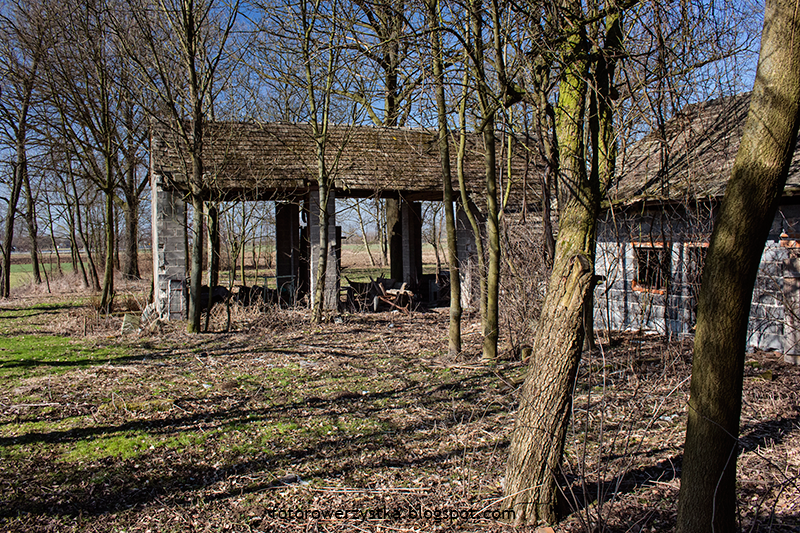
<point x="707" y="500"/>
<point x="537" y="445"/>
<point x="487" y="127"/>
<point x="541" y="424"/>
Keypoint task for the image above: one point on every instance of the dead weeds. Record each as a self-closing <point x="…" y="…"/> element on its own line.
<point x="361" y="424"/>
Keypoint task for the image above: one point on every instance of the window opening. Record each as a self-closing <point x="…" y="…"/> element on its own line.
<point x="652" y="266"/>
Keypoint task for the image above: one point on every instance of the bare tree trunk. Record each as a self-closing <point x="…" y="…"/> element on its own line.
<point x="77" y="259"/>
<point x="107" y="297"/>
<point x="95" y="281"/>
<point x="8" y="238"/>
<point x="73" y="221"/>
<point x="707" y="499"/>
<point x="363" y="230"/>
<point x="491" y="318"/>
<point x="324" y="245"/>
<point x="130" y="207"/>
<point x="533" y="468"/>
<point x="33" y="226"/>
<point x="196" y="180"/>
<point x="53" y="241"/>
<point x="195" y="310"/>
<point x="466" y="203"/>
<point x="117" y="234"/>
<point x="383" y="232"/>
<point x="196" y="275"/>
<point x="131" y="264"/>
<point x="319" y="110"/>
<point x="602" y="136"/>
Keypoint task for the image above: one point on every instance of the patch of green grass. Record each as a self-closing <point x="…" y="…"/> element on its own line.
<point x="131" y="444"/>
<point x="23" y="356"/>
<point x="363" y="275"/>
<point x="185" y="440"/>
<point x="124" y="445"/>
<point x="40" y="426"/>
<point x="22" y="274"/>
<point x="283" y="376"/>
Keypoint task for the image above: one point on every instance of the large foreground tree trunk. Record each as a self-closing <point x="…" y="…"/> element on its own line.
<point x="708" y="481"/>
<point x="538" y="440"/>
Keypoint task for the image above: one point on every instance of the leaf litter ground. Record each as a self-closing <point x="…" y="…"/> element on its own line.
<point x="363" y="424"/>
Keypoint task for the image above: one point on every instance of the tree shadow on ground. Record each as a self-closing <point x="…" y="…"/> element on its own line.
<point x="110" y="484"/>
<point x="575" y="495"/>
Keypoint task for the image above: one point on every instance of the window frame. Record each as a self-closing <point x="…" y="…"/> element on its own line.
<point x="657" y="276"/>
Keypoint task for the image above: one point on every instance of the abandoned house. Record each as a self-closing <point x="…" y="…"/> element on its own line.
<point x="278" y="162"/>
<point x="653" y="235"/>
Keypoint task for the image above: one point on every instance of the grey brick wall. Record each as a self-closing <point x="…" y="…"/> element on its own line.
<point x="620" y="305"/>
<point x="169" y="259"/>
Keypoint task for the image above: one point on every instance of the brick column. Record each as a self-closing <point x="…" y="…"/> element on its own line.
<point x="395" y="233"/>
<point x="411" y="222"/>
<point x="468" y="261"/>
<point x="169" y="256"/>
<point x="287" y="249"/>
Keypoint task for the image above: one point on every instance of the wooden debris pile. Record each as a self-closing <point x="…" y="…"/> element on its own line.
<point x="379" y="295"/>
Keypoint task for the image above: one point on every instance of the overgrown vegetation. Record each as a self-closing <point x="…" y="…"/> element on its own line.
<point x="164" y="431"/>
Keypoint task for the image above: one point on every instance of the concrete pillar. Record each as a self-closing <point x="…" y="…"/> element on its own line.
<point x="287" y="249"/>
<point x="468" y="261"/>
<point x="331" y="302"/>
<point x="411" y="223"/>
<point x="212" y="222"/>
<point x="395" y="233"/>
<point x="169" y="254"/>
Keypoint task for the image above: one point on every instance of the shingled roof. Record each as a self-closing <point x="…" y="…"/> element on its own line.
<point x="267" y="160"/>
<point x="701" y="143"/>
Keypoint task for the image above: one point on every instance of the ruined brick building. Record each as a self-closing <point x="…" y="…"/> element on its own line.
<point x="655" y="229"/>
<point x="278" y="162"/>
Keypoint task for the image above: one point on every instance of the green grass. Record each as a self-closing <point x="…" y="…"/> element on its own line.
<point x="131" y="444"/>
<point x="22" y="274"/>
<point x="24" y="356"/>
<point x="364" y="275"/>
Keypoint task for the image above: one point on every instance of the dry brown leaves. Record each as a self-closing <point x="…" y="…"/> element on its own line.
<point x="363" y="424"/>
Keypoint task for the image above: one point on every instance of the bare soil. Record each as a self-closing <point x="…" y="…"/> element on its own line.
<point x="363" y="424"/>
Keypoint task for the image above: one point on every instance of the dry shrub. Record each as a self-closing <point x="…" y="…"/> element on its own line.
<point x="523" y="281"/>
<point x="233" y="316"/>
<point x="66" y="283"/>
<point x="626" y="431"/>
